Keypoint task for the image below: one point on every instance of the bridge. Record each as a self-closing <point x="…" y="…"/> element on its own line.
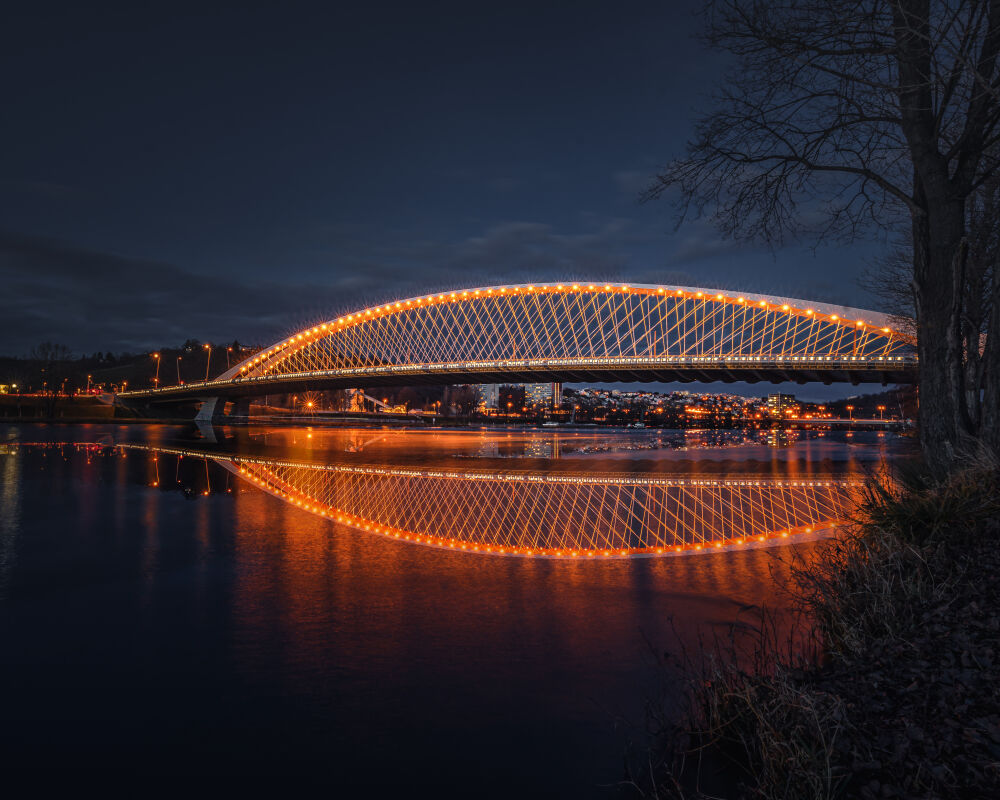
<point x="570" y="332"/>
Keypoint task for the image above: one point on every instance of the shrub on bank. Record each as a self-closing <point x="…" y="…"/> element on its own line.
<point x="905" y="700"/>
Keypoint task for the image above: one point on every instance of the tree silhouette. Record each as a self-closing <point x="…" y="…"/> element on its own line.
<point x="841" y="116"/>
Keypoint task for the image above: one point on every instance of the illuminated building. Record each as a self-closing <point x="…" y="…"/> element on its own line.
<point x="487" y="397"/>
<point x="538" y="396"/>
<point x="511" y="399"/>
<point x="778" y="403"/>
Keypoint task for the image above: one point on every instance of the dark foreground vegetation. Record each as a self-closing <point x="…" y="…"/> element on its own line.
<point x="903" y="699"/>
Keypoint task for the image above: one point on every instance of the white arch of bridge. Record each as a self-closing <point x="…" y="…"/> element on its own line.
<point x="576" y="320"/>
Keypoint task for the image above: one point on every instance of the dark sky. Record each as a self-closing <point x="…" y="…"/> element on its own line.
<point x="238" y="172"/>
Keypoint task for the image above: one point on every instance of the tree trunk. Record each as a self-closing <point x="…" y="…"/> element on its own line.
<point x="990" y="426"/>
<point x="938" y="249"/>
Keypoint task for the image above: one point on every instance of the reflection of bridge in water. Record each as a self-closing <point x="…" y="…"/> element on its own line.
<point x="539" y="513"/>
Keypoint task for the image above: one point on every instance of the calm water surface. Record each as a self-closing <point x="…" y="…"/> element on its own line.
<point x="189" y="603"/>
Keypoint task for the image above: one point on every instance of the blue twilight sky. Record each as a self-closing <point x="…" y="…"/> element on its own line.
<point x="236" y="170"/>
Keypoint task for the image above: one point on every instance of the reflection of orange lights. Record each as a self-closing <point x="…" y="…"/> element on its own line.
<point x="442" y="490"/>
<point x="400" y="499"/>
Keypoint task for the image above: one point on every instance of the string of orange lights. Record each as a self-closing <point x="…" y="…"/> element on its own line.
<point x="482" y="327"/>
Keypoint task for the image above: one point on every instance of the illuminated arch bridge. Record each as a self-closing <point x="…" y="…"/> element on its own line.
<point x="573" y="332"/>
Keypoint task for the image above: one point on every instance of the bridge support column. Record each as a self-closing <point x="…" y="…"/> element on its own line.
<point x="211" y="411"/>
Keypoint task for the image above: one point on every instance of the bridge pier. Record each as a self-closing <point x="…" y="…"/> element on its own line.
<point x="213" y="410"/>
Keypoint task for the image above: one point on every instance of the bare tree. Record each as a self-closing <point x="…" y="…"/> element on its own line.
<point x="890" y="279"/>
<point x="857" y="114"/>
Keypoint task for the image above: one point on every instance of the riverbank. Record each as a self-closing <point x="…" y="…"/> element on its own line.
<point x="904" y="700"/>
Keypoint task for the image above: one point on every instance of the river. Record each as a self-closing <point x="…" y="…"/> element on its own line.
<point x="460" y="612"/>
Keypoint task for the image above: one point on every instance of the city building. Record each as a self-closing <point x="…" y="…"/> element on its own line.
<point x="511" y="399"/>
<point x="778" y="403"/>
<point x="543" y="396"/>
<point x="487" y="397"/>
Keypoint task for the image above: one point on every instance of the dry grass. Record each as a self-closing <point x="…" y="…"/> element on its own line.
<point x="905" y="609"/>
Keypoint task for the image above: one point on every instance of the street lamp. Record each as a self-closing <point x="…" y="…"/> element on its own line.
<point x="881" y="409"/>
<point x="208" y="361"/>
<point x="156" y="378"/>
<point x="88" y="384"/>
<point x="228" y="351"/>
<point x="179" y="381"/>
<point x="850" y="412"/>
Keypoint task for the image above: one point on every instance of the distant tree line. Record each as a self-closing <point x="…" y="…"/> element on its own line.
<point x="52" y="368"/>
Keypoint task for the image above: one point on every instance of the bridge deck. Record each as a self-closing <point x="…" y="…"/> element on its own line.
<point x="804" y="369"/>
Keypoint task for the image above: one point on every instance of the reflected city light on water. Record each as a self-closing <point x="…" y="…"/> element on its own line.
<point x="524" y="512"/>
<point x="339" y="592"/>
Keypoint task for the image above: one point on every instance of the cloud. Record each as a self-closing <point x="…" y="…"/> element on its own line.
<point x="93" y="300"/>
<point x="503" y="184"/>
<point x="102" y="301"/>
<point x="632" y="182"/>
<point x="44" y="190"/>
<point x="699" y="240"/>
<point x="508" y="252"/>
